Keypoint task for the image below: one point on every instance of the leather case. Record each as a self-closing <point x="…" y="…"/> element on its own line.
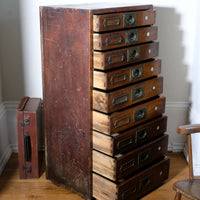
<point x="29" y="134"/>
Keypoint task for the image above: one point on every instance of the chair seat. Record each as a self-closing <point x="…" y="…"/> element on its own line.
<point x="189" y="188"/>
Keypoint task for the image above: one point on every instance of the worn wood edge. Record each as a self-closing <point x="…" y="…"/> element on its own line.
<point x="103" y="164"/>
<point x="103" y="188"/>
<point x="23" y="103"/>
<point x="188" y="129"/>
<point x="103" y="143"/>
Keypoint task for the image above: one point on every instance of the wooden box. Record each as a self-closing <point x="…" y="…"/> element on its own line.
<point x="102" y="99"/>
<point x="29" y="120"/>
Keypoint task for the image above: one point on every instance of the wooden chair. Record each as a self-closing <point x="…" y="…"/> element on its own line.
<point x="189" y="188"/>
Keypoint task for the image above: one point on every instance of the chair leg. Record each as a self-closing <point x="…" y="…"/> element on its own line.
<point x="178" y="196"/>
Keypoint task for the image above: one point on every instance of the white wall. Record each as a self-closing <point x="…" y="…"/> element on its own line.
<point x="20" y="56"/>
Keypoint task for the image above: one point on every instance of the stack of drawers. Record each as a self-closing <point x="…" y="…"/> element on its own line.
<point x="129" y="144"/>
<point x="104" y="122"/>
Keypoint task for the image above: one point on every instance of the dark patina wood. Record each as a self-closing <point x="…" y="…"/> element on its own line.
<point x="133" y="187"/>
<point x="116" y="58"/>
<point x="67" y="79"/>
<point x="130" y="139"/>
<point x="110" y="40"/>
<point x="119" y="121"/>
<point x="120" y="166"/>
<point x="123" y="76"/>
<point x="108" y="102"/>
<point x="69" y="61"/>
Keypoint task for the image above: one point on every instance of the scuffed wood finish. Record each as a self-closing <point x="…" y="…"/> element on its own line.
<point x="130" y="139"/>
<point x="119" y="121"/>
<point x="113" y="101"/>
<point x="189" y="187"/>
<point x="29" y="125"/>
<point x="120" y="166"/>
<point x="105" y="41"/>
<point x="107" y="22"/>
<point x="134" y="187"/>
<point x="120" y="77"/>
<point x="188" y="129"/>
<point x="67" y="78"/>
<point x="116" y="58"/>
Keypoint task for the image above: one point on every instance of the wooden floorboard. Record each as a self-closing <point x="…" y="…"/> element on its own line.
<point x="12" y="188"/>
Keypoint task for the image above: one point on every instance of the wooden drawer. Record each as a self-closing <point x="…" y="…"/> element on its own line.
<point x="130" y="139"/>
<point x="120" y="77"/>
<point x="120" y="166"/>
<point x="117" y="58"/>
<point x="105" y="41"/>
<point x="107" y="22"/>
<point x="108" y="102"/>
<point x="119" y="121"/>
<point x="134" y="187"/>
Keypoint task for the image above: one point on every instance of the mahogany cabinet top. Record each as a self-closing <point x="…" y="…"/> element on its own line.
<point x="100" y="8"/>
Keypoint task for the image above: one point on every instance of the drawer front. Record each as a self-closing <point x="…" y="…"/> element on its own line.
<point x="105" y="41"/>
<point x="121" y="77"/>
<point x="123" y="165"/>
<point x="128" y="140"/>
<point x="113" y="101"/>
<point x="119" y="121"/>
<point x="116" y="21"/>
<point x="134" y="187"/>
<point x="116" y="58"/>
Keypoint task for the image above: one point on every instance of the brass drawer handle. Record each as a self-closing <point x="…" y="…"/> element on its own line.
<point x="131" y="36"/>
<point x="113" y="40"/>
<point x="125" y="143"/>
<point x="145" y="182"/>
<point x="142" y="134"/>
<point x="120" y="99"/>
<point x="127" y="165"/>
<point x="133" y="53"/>
<point x="118" y="78"/>
<point x="27" y="148"/>
<point x="137" y="93"/>
<point x="144" y="156"/>
<point x="122" y="122"/>
<point x="129" y="192"/>
<point x="111" y="22"/>
<point x="113" y="59"/>
<point x="140" y="114"/>
<point x="136" y="73"/>
<point x="130" y="19"/>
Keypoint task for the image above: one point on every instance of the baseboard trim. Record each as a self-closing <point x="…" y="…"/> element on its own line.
<point x="176" y="147"/>
<point x="4" y="158"/>
<point x="2" y="110"/>
<point x="178" y="104"/>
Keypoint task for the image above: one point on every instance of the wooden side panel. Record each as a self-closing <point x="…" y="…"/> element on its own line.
<point x="67" y="75"/>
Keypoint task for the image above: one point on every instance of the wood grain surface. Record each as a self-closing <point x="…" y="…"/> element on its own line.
<point x="11" y="187"/>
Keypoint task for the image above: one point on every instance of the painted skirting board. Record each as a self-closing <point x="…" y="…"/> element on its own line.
<point x="5" y="157"/>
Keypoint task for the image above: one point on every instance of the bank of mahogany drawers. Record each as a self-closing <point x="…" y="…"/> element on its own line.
<point x="129" y="144"/>
<point x="104" y="110"/>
